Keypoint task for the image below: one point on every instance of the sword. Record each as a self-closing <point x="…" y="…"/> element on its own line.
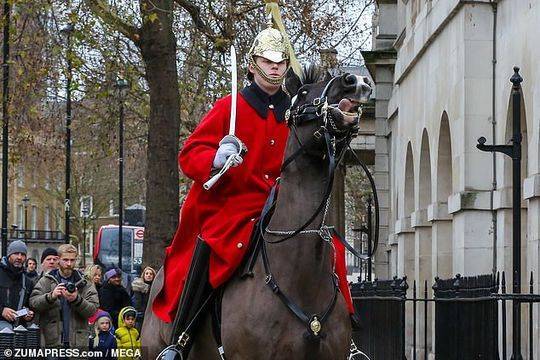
<point x="234" y="92"/>
<point x="231" y="138"/>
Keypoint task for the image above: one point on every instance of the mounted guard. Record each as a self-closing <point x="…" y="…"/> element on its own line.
<point x="234" y="157"/>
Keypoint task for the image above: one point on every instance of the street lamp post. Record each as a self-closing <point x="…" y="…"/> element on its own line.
<point x="122" y="86"/>
<point x="369" y="235"/>
<point x="5" y="127"/>
<point x="85" y="212"/>
<point x="26" y="201"/>
<point x="514" y="151"/>
<point x="67" y="31"/>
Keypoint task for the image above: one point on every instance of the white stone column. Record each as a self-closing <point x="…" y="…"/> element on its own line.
<point x="441" y="249"/>
<point x="393" y="255"/>
<point x="503" y="205"/>
<point x="423" y="272"/>
<point x="405" y="260"/>
<point x="384" y="84"/>
<point x="441" y="233"/>
<point x="405" y="240"/>
<point x="472" y="232"/>
<point x="531" y="192"/>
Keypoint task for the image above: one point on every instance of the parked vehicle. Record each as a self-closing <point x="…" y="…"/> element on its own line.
<point x="106" y="248"/>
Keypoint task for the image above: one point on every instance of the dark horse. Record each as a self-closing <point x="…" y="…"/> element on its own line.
<point x="256" y="323"/>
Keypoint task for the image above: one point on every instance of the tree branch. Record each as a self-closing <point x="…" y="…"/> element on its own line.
<point x="195" y="12"/>
<point x="105" y="13"/>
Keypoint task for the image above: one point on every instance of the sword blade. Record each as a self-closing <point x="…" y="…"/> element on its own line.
<point x="234" y="92"/>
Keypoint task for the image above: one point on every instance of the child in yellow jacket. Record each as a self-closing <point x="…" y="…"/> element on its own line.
<point x="129" y="343"/>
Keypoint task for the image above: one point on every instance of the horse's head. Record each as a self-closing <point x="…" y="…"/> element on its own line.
<point x="326" y="103"/>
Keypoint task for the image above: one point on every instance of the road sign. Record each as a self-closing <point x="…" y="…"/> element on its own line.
<point x="139" y="234"/>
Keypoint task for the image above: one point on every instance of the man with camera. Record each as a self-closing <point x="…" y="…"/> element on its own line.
<point x="15" y="287"/>
<point x="64" y="301"/>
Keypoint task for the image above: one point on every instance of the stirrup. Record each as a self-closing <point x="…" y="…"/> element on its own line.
<point x="171" y="352"/>
<point x="174" y="352"/>
<point x="355" y="353"/>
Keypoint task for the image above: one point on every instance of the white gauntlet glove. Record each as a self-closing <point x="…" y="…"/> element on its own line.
<point x="224" y="152"/>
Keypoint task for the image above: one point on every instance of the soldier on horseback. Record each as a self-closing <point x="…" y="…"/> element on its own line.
<point x="216" y="225"/>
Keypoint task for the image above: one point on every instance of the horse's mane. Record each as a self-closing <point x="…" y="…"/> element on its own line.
<point x="312" y="73"/>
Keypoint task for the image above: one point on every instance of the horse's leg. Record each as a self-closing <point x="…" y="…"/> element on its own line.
<point x="155" y="333"/>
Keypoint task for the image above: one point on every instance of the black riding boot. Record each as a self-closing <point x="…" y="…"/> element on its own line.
<point x="196" y="290"/>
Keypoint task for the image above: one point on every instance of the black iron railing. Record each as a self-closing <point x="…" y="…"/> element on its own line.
<point x="470" y="319"/>
<point x="36" y="235"/>
<point x="380" y="308"/>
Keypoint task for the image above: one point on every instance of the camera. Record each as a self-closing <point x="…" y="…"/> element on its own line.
<point x="70" y="287"/>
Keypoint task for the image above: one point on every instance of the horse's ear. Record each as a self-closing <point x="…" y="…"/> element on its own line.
<point x="292" y="82"/>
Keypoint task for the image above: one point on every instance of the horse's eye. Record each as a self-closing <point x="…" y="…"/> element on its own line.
<point x="304" y="92"/>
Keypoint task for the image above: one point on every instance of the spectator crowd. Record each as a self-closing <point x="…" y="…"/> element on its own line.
<point x="86" y="308"/>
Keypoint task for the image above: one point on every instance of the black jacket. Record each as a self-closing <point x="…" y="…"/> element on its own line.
<point x="11" y="281"/>
<point x="112" y="299"/>
<point x="141" y="291"/>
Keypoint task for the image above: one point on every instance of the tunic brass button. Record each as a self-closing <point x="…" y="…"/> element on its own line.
<point x="271" y="106"/>
<point x="272" y="142"/>
<point x="239" y="245"/>
<point x="266" y="176"/>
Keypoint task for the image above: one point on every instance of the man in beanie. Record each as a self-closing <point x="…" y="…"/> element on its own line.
<point x="112" y="295"/>
<point x="15" y="287"/>
<point x="49" y="260"/>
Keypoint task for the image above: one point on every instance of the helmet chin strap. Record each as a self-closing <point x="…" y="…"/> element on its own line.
<point x="271" y="80"/>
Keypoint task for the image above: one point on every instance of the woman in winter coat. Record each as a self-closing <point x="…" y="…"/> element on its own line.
<point x="141" y="289"/>
<point x="93" y="274"/>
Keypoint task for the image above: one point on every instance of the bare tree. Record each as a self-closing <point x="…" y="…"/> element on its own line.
<point x="168" y="50"/>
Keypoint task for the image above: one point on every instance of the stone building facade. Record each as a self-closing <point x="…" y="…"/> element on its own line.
<point x="442" y="70"/>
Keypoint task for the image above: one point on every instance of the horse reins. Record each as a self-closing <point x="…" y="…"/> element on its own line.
<point x="316" y="110"/>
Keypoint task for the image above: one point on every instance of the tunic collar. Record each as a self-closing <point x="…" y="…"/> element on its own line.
<point x="261" y="101"/>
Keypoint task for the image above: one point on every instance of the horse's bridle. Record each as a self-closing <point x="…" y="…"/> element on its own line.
<point x="317" y="110"/>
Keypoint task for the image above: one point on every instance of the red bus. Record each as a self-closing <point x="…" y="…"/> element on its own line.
<point x="106" y="247"/>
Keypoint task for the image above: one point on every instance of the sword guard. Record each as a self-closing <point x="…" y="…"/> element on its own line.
<point x="231" y="139"/>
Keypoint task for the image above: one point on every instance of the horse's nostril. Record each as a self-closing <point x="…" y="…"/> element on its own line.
<point x="350" y="79"/>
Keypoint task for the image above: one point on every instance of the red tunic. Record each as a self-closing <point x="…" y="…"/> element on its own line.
<point x="225" y="215"/>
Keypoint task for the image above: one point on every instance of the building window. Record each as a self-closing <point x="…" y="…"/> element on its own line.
<point x="34" y="178"/>
<point x="47" y="219"/>
<point x="20" y="216"/>
<point x="34" y="217"/>
<point x="20" y="177"/>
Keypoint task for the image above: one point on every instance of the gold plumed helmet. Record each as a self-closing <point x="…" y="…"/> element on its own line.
<point x="273" y="44"/>
<point x="270" y="45"/>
